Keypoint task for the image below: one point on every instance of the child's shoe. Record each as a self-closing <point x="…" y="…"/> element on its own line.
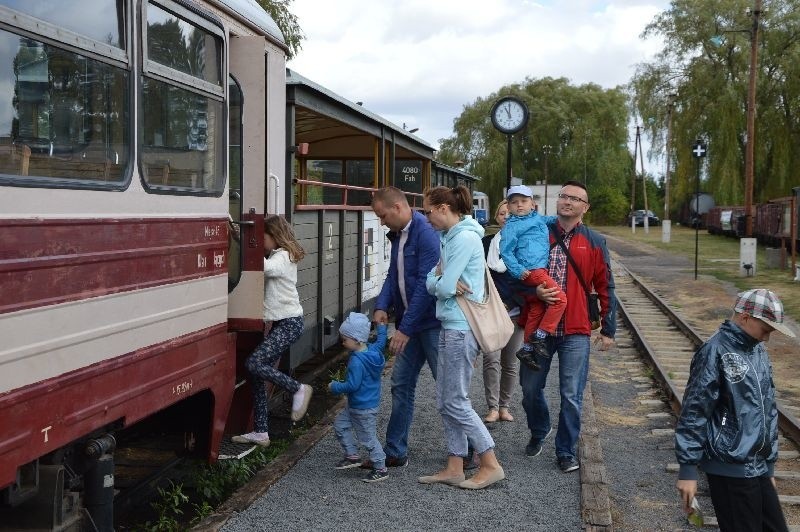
<point x="527" y="357"/>
<point x="300" y="401"/>
<point x="258" y="438"/>
<point x="376" y="475"/>
<point x="539" y="348"/>
<point x="348" y="462"/>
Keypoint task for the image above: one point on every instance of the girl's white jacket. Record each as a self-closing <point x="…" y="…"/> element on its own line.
<point x="280" y="287"/>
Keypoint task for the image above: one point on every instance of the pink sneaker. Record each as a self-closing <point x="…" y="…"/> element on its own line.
<point x="259" y="438"/>
<point x="300" y="401"/>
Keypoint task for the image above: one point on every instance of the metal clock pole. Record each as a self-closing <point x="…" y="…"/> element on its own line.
<point x="508" y="163"/>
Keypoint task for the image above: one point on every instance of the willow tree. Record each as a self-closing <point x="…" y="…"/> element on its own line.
<point x="704" y="68"/>
<point x="286" y="22"/>
<point x="585" y="127"/>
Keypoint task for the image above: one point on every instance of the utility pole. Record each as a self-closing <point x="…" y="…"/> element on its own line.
<point x="666" y="224"/>
<point x="633" y="180"/>
<point x="646" y="218"/>
<point x="751" y="124"/>
<point x="546" y="150"/>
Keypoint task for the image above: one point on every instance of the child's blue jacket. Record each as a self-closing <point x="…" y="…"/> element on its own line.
<point x="363" y="382"/>
<point x="525" y="244"/>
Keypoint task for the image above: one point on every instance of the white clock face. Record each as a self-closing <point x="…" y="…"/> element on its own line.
<point x="509" y="116"/>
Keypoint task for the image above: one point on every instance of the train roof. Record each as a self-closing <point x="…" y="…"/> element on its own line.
<point x="250" y="11"/>
<point x="325" y="103"/>
<point x="456" y="171"/>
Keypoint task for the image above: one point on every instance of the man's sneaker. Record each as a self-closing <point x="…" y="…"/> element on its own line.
<point x="394" y="461"/>
<point x="527" y="358"/>
<point x="300" y="401"/>
<point x="347" y="463"/>
<point x="376" y="475"/>
<point x="258" y="438"/>
<point x="568" y="463"/>
<point x="539" y="348"/>
<point x="534" y="446"/>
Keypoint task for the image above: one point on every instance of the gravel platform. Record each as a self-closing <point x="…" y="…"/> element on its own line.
<point x="534" y="496"/>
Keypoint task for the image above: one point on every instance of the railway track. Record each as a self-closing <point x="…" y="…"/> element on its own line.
<point x="667" y="343"/>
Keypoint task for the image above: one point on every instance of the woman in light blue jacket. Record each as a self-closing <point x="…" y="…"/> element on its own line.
<point x="461" y="270"/>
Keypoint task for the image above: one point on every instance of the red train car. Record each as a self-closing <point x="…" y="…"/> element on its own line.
<point x="120" y="292"/>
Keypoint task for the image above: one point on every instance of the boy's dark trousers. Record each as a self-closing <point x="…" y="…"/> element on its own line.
<point x="746" y="504"/>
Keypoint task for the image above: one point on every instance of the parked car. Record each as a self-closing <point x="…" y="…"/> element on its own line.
<point x="638" y="216"/>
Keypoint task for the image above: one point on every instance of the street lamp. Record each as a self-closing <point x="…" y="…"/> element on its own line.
<point x="546" y="150"/>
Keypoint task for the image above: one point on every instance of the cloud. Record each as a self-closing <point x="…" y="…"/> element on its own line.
<point x="421" y="61"/>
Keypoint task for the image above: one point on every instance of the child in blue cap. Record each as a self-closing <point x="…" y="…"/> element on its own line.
<point x="358" y="422"/>
<point x="525" y="249"/>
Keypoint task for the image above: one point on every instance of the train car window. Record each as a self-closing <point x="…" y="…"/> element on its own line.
<point x="65" y="120"/>
<point x="182" y="122"/>
<point x="100" y="20"/>
<point x="182" y="139"/>
<point x="325" y="171"/>
<point x="360" y="174"/>
<point x="183" y="46"/>
<point x="235" y="177"/>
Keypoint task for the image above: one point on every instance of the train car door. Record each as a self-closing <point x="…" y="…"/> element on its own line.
<point x="247" y="163"/>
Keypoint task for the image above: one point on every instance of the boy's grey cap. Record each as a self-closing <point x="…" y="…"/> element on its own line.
<point x="356" y="326"/>
<point x="519" y="189"/>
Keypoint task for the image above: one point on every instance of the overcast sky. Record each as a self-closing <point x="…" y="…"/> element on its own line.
<point x="419" y="62"/>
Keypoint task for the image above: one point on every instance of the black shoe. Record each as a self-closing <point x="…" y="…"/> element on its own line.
<point x="376" y="475"/>
<point x="367" y="464"/>
<point x="568" y="463"/>
<point x="347" y="463"/>
<point x="393" y="461"/>
<point x="528" y="358"/>
<point x="534" y="447"/>
<point x="539" y="348"/>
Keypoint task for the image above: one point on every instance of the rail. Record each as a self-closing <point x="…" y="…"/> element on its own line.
<point x="412" y="196"/>
<point x="788" y="423"/>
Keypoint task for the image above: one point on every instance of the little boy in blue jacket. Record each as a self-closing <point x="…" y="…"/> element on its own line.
<point x="363" y="389"/>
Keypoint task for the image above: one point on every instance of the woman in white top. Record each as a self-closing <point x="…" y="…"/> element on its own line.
<point x="500" y="367"/>
<point x="282" y="308"/>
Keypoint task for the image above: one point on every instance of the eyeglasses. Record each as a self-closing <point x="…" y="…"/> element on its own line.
<point x="428" y="212"/>
<point x="573" y="199"/>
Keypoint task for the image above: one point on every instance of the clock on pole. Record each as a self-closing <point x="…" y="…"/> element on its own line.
<point x="509" y="115"/>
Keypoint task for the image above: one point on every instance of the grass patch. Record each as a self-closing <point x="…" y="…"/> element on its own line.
<point x="718" y="257"/>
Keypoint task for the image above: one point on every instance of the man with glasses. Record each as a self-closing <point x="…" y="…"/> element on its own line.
<point x="589" y="256"/>
<point x="415" y="252"/>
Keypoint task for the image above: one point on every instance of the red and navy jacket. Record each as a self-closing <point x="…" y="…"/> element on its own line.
<point x="590" y="253"/>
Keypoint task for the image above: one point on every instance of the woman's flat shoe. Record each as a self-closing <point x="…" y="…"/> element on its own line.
<point x="495" y="476"/>
<point x="451" y="481"/>
<point x="492" y="416"/>
<point x="505" y="415"/>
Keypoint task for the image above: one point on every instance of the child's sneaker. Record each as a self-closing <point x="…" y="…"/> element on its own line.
<point x="300" y="401"/>
<point x="376" y="475"/>
<point x="348" y="462"/>
<point x="258" y="438"/>
<point x="526" y="357"/>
